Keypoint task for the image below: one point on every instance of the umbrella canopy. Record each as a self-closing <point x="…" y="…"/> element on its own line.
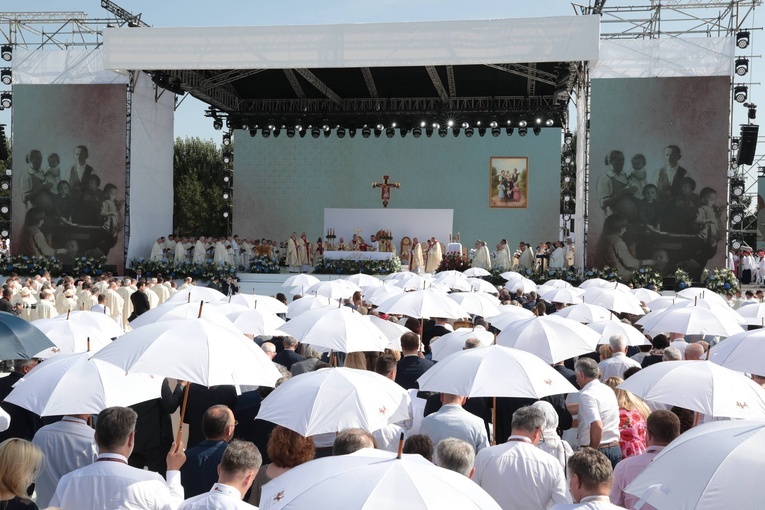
<point x="307" y="303"/>
<point x="453" y="283"/>
<point x="690" y="320"/>
<point x="477" y="303"/>
<point x="455" y="341"/>
<point x="645" y="295"/>
<point x="195" y="295"/>
<point x="509" y="315"/>
<point x="585" y="313"/>
<point x="372" y="480"/>
<point x="227" y="308"/>
<point x="724" y="312"/>
<point x="715" y="465"/>
<point x="494" y="371"/>
<point x="415" y="282"/>
<point x="558" y="284"/>
<point x="258" y="302"/>
<point x="662" y="303"/>
<point x="480" y="285"/>
<point x="255" y="322"/>
<point x="333" y="289"/>
<point x="523" y="284"/>
<point x="193" y="350"/>
<point x="20" y="339"/>
<point x="701" y="294"/>
<point x="70" y="337"/>
<point x="300" y="280"/>
<point x="423" y="304"/>
<point x="511" y="275"/>
<point x="401" y="275"/>
<point x="364" y="280"/>
<point x="450" y="274"/>
<point x="96" y="320"/>
<point x="75" y="384"/>
<point x="700" y="386"/>
<point x="595" y="283"/>
<point x="333" y="399"/>
<point x="550" y="338"/>
<point x="476" y="272"/>
<point x="607" y="329"/>
<point x="744" y="352"/>
<point x="391" y="330"/>
<point x="568" y="296"/>
<point x="180" y="311"/>
<point x="613" y="299"/>
<point x="753" y="314"/>
<point x="381" y="294"/>
<point x="341" y="329"/>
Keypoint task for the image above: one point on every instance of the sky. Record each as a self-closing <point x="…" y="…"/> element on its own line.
<point x="189" y="117"/>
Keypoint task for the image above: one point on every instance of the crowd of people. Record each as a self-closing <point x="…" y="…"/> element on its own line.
<point x="232" y="250"/>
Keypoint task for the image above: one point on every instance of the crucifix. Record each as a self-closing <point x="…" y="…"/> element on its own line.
<point x="385" y="187"/>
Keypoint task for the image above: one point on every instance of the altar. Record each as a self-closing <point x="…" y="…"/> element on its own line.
<point x="358" y="255"/>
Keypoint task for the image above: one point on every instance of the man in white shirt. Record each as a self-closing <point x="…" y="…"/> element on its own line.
<point x="517" y="474"/>
<point x="101" y="307"/>
<point x="589" y="480"/>
<point x="236" y="472"/>
<point x="618" y="363"/>
<point x="110" y="482"/>
<point x="68" y="445"/>
<point x="558" y="256"/>
<point x="598" y="412"/>
<point x="453" y="421"/>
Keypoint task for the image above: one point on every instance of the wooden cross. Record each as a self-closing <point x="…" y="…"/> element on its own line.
<point x="385" y="187"/>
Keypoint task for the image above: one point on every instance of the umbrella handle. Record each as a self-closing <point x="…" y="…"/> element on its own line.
<point x="201" y="304"/>
<point x="494" y="421"/>
<point x="183" y="413"/>
<point x="400" y="446"/>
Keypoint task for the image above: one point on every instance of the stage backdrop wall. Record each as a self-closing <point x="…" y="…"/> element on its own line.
<point x="81" y="219"/>
<point x="633" y="124"/>
<point x="284" y="184"/>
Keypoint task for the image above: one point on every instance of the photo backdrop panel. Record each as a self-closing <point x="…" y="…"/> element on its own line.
<point x="283" y="185"/>
<point x="658" y="173"/>
<point x="69" y="171"/>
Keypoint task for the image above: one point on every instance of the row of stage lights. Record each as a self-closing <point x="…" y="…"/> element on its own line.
<point x="6" y="76"/>
<point x="741" y="66"/>
<point x="6" y="101"/>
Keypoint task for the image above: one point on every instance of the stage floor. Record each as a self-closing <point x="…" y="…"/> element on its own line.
<point x="269" y="284"/>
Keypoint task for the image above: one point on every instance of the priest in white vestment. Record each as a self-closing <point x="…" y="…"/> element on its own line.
<point x="179" y="257"/>
<point x="157" y="253"/>
<point x="46" y="309"/>
<point x="503" y="261"/>
<point x="415" y="259"/>
<point x="67" y="303"/>
<point x="434" y="256"/>
<point x="293" y="253"/>
<point x="558" y="256"/>
<point x="27" y="301"/>
<point x="114" y="303"/>
<point x="153" y="297"/>
<point x="127" y="307"/>
<point x="526" y="259"/>
<point x="200" y="251"/>
<point x="170" y="247"/>
<point x="482" y="257"/>
<point x="220" y="255"/>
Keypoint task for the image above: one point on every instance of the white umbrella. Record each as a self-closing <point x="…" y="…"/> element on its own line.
<point x="381" y="294"/>
<point x="374" y="479"/>
<point x="511" y="275"/>
<point x="180" y="311"/>
<point x="698" y="293"/>
<point x="70" y="337"/>
<point x="75" y="384"/>
<point x="494" y="371"/>
<point x="453" y="283"/>
<point x="195" y="295"/>
<point x="551" y="338"/>
<point x="258" y="302"/>
<point x="423" y="304"/>
<point x="743" y="352"/>
<point x="192" y="350"/>
<point x="300" y="280"/>
<point x="662" y="303"/>
<point x="401" y="275"/>
<point x="568" y="296"/>
<point x="391" y="330"/>
<point x="607" y="329"/>
<point x="586" y="313"/>
<point x="256" y="322"/>
<point x="97" y="320"/>
<point x="613" y="299"/>
<point x="450" y="274"/>
<point x="558" y="284"/>
<point x="340" y="329"/>
<point x="645" y="295"/>
<point x="333" y="289"/>
<point x="700" y="386"/>
<point x="477" y="303"/>
<point x="523" y="284"/>
<point x="712" y="466"/>
<point x="480" y="285"/>
<point x="455" y="341"/>
<point x="476" y="272"/>
<point x="509" y="315"/>
<point x="306" y="303"/>
<point x="364" y="280"/>
<point x="723" y="312"/>
<point x="691" y="320"/>
<point x="227" y="308"/>
<point x="595" y="283"/>
<point x="415" y="282"/>
<point x="753" y="314"/>
<point x="333" y="399"/>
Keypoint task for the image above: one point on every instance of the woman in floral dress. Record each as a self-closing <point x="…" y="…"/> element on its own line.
<point x="632" y="419"/>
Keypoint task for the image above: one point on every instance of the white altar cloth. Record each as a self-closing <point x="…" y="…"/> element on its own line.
<point x="358" y="255"/>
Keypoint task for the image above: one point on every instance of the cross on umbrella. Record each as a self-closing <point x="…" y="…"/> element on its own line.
<point x="385" y="187"/>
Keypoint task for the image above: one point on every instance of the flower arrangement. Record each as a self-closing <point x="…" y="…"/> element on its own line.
<point x="453" y="262"/>
<point x="646" y="277"/>
<point x="29" y="266"/>
<point x="206" y="271"/>
<point x="682" y="280"/>
<point x="570" y="275"/>
<point x="263" y="264"/>
<point x="337" y="266"/>
<point x="720" y="280"/>
<point x="93" y="266"/>
<point x="606" y="273"/>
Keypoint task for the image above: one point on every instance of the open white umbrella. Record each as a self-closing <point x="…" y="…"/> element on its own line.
<point x="333" y="289"/>
<point x="423" y="304"/>
<point x="70" y="337"/>
<point x="258" y="302"/>
<point x="333" y="399"/>
<point x="195" y="295"/>
<point x="227" y="308"/>
<point x="453" y="283"/>
<point x="391" y="330"/>
<point x="712" y="466"/>
<point x="340" y="329"/>
<point x="723" y="312"/>
<point x="364" y="280"/>
<point x="381" y="294"/>
<point x="106" y="324"/>
<point x="607" y="329"/>
<point x="690" y="320"/>
<point x="300" y="280"/>
<point x="476" y="272"/>
<point x="585" y="313"/>
<point x="613" y="299"/>
<point x="523" y="284"/>
<point x="511" y="275"/>
<point x="415" y="282"/>
<point x="558" y="284"/>
<point x="662" y="303"/>
<point x="567" y="296"/>
<point x="480" y="285"/>
<point x="753" y="314"/>
<point x="180" y="311"/>
<point x="595" y="283"/>
<point x="477" y="303"/>
<point x="743" y="352"/>
<point x="494" y="371"/>
<point x="455" y="341"/>
<point x="306" y="303"/>
<point x="75" y="384"/>
<point x="550" y="338"/>
<point x="698" y="293"/>
<point x="449" y="274"/>
<point x="700" y="386"/>
<point x="509" y="315"/>
<point x="374" y="479"/>
<point x="255" y="322"/>
<point x="645" y="295"/>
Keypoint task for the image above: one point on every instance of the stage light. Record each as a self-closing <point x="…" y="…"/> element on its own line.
<point x="429" y="132"/>
<point x="469" y="132"/>
<point x="226" y="195"/>
<point x="737" y="187"/>
<point x="366" y="132"/>
<point x="566" y="217"/>
<point x="522" y="131"/>
<point x="315" y="132"/>
<point x="290" y="132"/>
<point x="509" y="130"/>
<point x="298" y="128"/>
<point x="742" y="66"/>
<point x="380" y="127"/>
<point x="4" y="209"/>
<point x="276" y="132"/>
<point x="442" y="132"/>
<point x="5" y="185"/>
<point x="403" y="132"/>
<point x="567" y="197"/>
<point x="417" y="132"/>
<point x="227" y="159"/>
<point x="7" y="52"/>
<point x="567" y="179"/>
<point x="4" y="234"/>
<point x="522" y="123"/>
<point x="481" y="131"/>
<point x="742" y="40"/>
<point x="496" y="131"/>
<point x="390" y="132"/>
<point x="423" y="124"/>
<point x="740" y="93"/>
<point x="217" y="124"/>
<point x="227" y="139"/>
<point x="568" y="138"/>
<point x="733" y="163"/>
<point x="351" y="132"/>
<point x="325" y="127"/>
<point x="537" y="130"/>
<point x="393" y="125"/>
<point x="327" y="132"/>
<point x="450" y="123"/>
<point x="737" y="216"/>
<point x="227" y="179"/>
<point x="752" y="113"/>
<point x="734" y="144"/>
<point x="377" y="132"/>
<point x="265" y="132"/>
<point x="456" y="131"/>
<point x="736" y="243"/>
<point x="538" y="120"/>
<point x="567" y="159"/>
<point x="340" y="132"/>
<point x="226" y="214"/>
<point x="5" y="100"/>
<point x="436" y="125"/>
<point x="465" y="125"/>
<point x="493" y="124"/>
<point x="6" y="76"/>
<point x="549" y="121"/>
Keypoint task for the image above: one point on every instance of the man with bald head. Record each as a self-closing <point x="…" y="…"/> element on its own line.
<point x="694" y="352"/>
<point x="200" y="471"/>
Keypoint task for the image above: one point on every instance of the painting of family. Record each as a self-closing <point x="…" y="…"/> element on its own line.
<point x="508" y="183"/>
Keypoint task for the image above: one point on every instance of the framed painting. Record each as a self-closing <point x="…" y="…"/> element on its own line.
<point x="508" y="182"/>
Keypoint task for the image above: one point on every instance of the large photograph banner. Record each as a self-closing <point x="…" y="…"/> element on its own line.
<point x="658" y="174"/>
<point x="69" y="146"/>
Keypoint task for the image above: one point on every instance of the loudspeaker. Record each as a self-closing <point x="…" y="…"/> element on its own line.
<point x="748" y="146"/>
